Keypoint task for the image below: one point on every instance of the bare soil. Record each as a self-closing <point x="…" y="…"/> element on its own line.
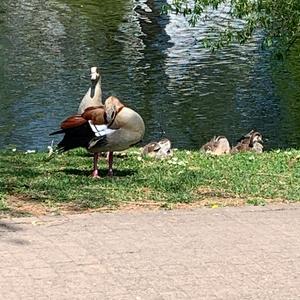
<point x="22" y="206"/>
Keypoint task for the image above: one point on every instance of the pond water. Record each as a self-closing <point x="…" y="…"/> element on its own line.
<point x="154" y="63"/>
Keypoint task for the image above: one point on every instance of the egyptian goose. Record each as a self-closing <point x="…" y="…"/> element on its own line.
<point x="93" y="96"/>
<point x="159" y="150"/>
<point x="218" y="145"/>
<point x="252" y="141"/>
<point x="113" y="127"/>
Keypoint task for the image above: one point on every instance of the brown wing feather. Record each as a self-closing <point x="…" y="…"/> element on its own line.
<point x="72" y="122"/>
<point x="93" y="107"/>
<point x="95" y="114"/>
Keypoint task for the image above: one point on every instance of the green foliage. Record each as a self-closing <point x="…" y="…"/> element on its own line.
<point x="278" y="19"/>
<point x="256" y="202"/>
<point x="185" y="178"/>
<point x="3" y="205"/>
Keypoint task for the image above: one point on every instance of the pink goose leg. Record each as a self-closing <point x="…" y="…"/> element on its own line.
<point x="95" y="171"/>
<point x="110" y="163"/>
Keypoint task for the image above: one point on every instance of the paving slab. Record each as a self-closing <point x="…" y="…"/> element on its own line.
<point x="223" y="253"/>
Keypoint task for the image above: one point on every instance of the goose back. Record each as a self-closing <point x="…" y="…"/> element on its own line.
<point x="218" y="145"/>
<point x="159" y="150"/>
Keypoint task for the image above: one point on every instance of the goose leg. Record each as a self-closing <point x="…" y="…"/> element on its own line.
<point x="110" y="163"/>
<point x="95" y="170"/>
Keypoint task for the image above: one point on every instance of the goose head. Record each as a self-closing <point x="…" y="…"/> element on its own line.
<point x="95" y="75"/>
<point x="112" y="107"/>
<point x="95" y="79"/>
<point x="112" y="101"/>
<point x="255" y="137"/>
<point x="256" y="141"/>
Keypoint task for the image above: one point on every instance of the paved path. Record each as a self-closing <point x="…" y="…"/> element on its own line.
<point x="228" y="253"/>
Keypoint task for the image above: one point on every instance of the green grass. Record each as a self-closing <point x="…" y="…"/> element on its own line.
<point x="187" y="177"/>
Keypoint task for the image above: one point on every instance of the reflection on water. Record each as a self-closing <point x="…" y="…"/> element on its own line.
<point x="154" y="63"/>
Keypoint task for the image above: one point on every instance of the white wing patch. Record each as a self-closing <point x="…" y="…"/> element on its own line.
<point x="100" y="130"/>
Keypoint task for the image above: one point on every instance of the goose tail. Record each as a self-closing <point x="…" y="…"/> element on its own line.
<point x="60" y="131"/>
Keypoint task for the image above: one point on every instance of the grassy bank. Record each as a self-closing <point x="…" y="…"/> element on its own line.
<point x="28" y="182"/>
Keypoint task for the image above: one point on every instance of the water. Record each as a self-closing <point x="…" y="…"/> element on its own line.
<point x="153" y="63"/>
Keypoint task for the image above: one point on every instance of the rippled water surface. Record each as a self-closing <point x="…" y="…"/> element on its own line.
<point x="154" y="63"/>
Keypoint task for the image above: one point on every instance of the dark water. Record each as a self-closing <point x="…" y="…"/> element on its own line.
<point x="154" y="64"/>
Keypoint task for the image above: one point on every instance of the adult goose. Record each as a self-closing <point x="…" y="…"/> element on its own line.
<point x="252" y="141"/>
<point x="93" y="96"/>
<point x="113" y="127"/>
<point x="218" y="145"/>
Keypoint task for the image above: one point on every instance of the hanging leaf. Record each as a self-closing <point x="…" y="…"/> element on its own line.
<point x="277" y="20"/>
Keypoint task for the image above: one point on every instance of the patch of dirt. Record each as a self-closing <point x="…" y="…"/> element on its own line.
<point x="212" y="198"/>
<point x="19" y="205"/>
<point x="22" y="206"/>
<point x="140" y="205"/>
<point x="208" y="197"/>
